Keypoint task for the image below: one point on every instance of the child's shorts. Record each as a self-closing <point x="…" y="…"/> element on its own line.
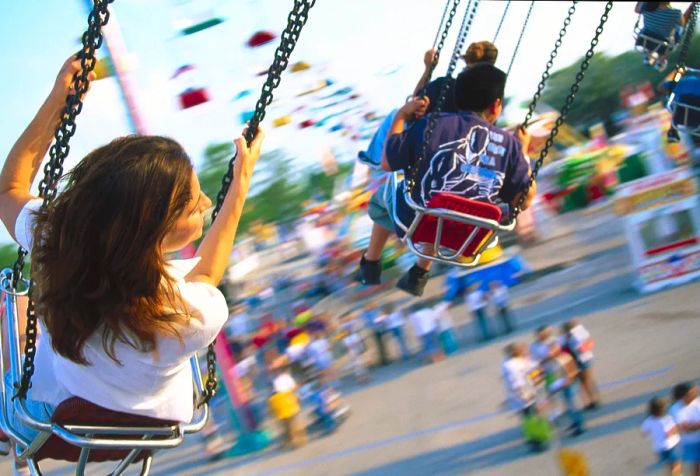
<point x="669" y="456"/>
<point x="381" y="208"/>
<point x="691" y="452"/>
<point x="39" y="410"/>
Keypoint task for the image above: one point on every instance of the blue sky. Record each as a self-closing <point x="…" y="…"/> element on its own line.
<point x="353" y="42"/>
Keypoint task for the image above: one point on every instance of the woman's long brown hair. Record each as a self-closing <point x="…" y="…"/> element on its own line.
<point x="97" y="260"/>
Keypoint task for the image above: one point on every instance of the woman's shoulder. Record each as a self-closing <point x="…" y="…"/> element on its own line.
<point x="205" y="302"/>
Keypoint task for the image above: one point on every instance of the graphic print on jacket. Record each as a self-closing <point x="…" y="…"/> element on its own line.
<point x="467" y="166"/>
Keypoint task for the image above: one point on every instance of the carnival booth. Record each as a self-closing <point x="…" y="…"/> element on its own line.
<point x="662" y="226"/>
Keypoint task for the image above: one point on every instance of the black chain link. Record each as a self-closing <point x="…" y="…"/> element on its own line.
<point x="462" y="36"/>
<point x="444" y="91"/>
<point x="442" y="22"/>
<point x="688" y="36"/>
<point x="550" y="63"/>
<point x="685" y="49"/>
<point x="500" y="24"/>
<point x="520" y="38"/>
<point x="288" y="39"/>
<point x="439" y="44"/>
<point x="564" y="110"/>
<point x="53" y="170"/>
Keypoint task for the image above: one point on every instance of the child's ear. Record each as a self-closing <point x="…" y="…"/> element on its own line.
<point x="493" y="109"/>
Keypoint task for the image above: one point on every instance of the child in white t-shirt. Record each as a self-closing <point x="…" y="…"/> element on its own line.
<point x="663" y="433"/>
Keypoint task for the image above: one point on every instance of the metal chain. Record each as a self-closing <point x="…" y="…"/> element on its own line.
<point x="288" y="39"/>
<point x="444" y="91"/>
<point x="564" y="110"/>
<point x="442" y="22"/>
<point x="500" y="24"/>
<point x="520" y="38"/>
<point x="462" y="36"/>
<point x="438" y="44"/>
<point x="688" y="36"/>
<point x="550" y="63"/>
<point x="683" y="55"/>
<point x="53" y="170"/>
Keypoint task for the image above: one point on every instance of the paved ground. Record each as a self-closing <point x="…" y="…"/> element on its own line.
<point x="446" y="418"/>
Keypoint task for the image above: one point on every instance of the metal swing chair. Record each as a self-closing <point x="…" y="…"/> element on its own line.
<point x="457" y="229"/>
<point x="78" y="430"/>
<point x="453" y="226"/>
<point x="685" y="109"/>
<point x="653" y="48"/>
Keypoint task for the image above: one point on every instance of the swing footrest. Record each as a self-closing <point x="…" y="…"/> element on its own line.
<point x="686" y="114"/>
<point x="456" y="223"/>
<point x="78" y="419"/>
<point x="649" y="43"/>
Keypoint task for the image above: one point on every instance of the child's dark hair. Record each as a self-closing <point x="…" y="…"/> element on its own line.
<point x="680" y="390"/>
<point x="479" y="87"/>
<point x="657" y="407"/>
<point x="650" y="6"/>
<point x="388" y="308"/>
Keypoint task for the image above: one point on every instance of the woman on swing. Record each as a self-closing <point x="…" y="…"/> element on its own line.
<point x="118" y="320"/>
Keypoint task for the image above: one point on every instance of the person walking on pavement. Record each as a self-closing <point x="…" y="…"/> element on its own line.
<point x="395" y="322"/>
<point x="425" y="329"/>
<point x="579" y="343"/>
<point x="498" y="298"/>
<point x="541" y="347"/>
<point x="476" y="303"/>
<point x="376" y="321"/>
<point x="519" y="373"/>
<point x="563" y="370"/>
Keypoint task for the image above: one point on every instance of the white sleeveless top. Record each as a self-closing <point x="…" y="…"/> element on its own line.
<point x="156" y="384"/>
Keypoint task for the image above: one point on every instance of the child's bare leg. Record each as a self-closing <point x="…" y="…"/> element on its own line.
<point x="377" y="242"/>
<point x="426" y="263"/>
<point x="676" y="469"/>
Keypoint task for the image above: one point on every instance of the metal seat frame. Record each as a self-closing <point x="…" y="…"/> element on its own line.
<point x="442" y="254"/>
<point x="650" y="44"/>
<point x="676" y="107"/>
<point x="86" y="437"/>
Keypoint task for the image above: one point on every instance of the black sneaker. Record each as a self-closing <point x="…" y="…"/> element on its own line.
<point x="672" y="136"/>
<point x="369" y="272"/>
<point x="414" y="281"/>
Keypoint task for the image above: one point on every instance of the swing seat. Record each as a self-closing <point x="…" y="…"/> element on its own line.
<point x="456" y="232"/>
<point x="81" y="431"/>
<point x="655" y="48"/>
<point x="458" y="228"/>
<point x="78" y="416"/>
<point x="686" y="114"/>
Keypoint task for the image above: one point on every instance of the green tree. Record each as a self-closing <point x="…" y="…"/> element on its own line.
<point x="8" y="255"/>
<point x="215" y="165"/>
<point x="599" y="95"/>
<point x="278" y="192"/>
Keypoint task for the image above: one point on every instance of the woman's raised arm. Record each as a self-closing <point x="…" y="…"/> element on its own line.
<point x="216" y="246"/>
<point x="24" y="160"/>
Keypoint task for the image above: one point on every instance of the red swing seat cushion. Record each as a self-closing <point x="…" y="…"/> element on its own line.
<point x="76" y="411"/>
<point x="455" y="233"/>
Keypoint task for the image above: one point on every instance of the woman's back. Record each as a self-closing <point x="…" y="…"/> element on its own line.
<point x="157" y="384"/>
